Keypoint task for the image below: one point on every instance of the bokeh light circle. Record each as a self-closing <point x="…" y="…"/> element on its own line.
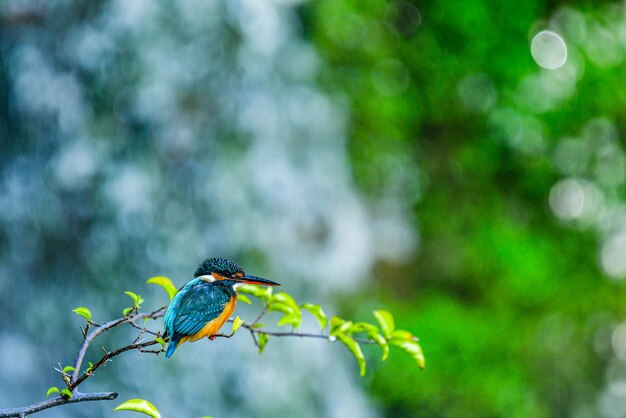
<point x="612" y="256"/>
<point x="548" y="50"/>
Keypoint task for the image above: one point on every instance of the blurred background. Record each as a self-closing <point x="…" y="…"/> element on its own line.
<point x="459" y="163"/>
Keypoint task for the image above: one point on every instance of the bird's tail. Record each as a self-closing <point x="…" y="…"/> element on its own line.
<point x="171" y="347"/>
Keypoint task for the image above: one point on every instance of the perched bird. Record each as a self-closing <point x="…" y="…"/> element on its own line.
<point x="204" y="304"/>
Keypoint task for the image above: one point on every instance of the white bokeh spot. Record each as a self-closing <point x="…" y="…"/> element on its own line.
<point x="548" y="50"/>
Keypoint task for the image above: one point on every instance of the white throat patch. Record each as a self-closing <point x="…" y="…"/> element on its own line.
<point x="207" y="278"/>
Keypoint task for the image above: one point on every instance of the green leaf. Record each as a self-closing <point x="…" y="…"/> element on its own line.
<point x="133" y="296"/>
<point x="90" y="367"/>
<point x="284" y="303"/>
<point x="139" y="405"/>
<point x="363" y="327"/>
<point x="165" y="283"/>
<point x="249" y="289"/>
<point x="382" y="343"/>
<point x="52" y="390"/>
<point x="401" y="334"/>
<point x="160" y="341"/>
<point x="335" y="323"/>
<point x="267" y="292"/>
<point x="68" y="369"/>
<point x="355" y="348"/>
<point x="262" y="338"/>
<point x="412" y="348"/>
<point x="237" y="323"/>
<point x="317" y="312"/>
<point x="84" y="312"/>
<point x="263" y="293"/>
<point x="286" y="299"/>
<point x="244" y="299"/>
<point x="372" y="334"/>
<point x="280" y="307"/>
<point x="294" y="319"/>
<point x="339" y="326"/>
<point x="127" y="311"/>
<point x="385" y="319"/>
<point x="66" y="393"/>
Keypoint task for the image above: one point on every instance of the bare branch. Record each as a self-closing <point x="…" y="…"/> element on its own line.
<point x="108" y="356"/>
<point x="253" y="330"/>
<point x="76" y="380"/>
<point x="261" y="314"/>
<point x="103" y="328"/>
<point x="58" y="401"/>
<point x="253" y="335"/>
<point x="146" y="330"/>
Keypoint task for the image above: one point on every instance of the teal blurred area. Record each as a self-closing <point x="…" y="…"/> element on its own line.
<point x="460" y="164"/>
<point x="139" y="138"/>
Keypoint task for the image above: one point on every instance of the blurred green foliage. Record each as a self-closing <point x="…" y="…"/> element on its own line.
<point x="509" y="302"/>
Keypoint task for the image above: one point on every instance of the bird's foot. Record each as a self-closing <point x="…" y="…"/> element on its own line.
<point x="214" y="336"/>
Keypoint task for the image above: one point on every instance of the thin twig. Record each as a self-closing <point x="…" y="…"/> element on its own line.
<point x="146" y="330"/>
<point x="108" y="356"/>
<point x="253" y="335"/>
<point x="330" y="338"/>
<point x="261" y="314"/>
<point x="103" y="328"/>
<point x="58" y="401"/>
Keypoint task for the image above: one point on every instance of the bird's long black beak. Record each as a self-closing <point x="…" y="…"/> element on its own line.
<point x="249" y="279"/>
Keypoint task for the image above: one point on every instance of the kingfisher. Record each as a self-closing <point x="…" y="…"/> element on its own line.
<point x="204" y="304"/>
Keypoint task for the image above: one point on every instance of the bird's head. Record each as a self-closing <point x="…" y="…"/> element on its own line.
<point x="216" y="269"/>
